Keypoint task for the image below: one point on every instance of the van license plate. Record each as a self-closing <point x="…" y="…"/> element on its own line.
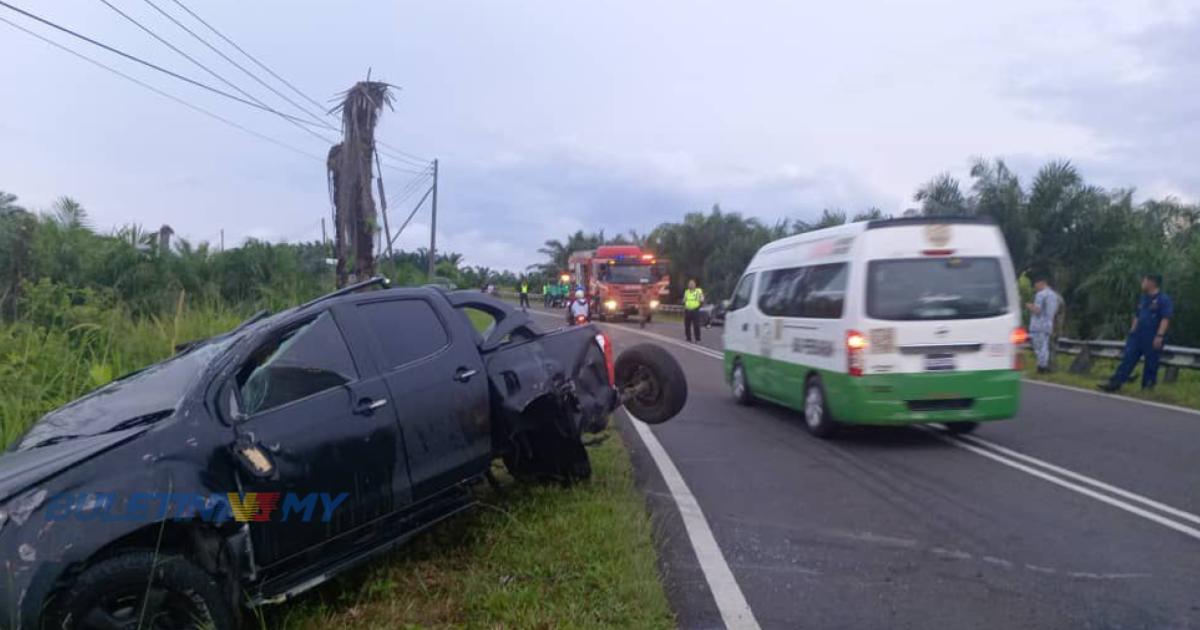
<point x="939" y="362"/>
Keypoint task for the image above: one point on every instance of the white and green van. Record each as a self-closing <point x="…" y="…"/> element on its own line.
<point x="890" y="322"/>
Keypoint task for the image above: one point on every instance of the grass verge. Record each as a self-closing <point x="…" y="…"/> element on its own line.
<point x="1185" y="392"/>
<point x="535" y="556"/>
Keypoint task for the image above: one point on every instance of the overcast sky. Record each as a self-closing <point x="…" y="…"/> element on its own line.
<point x="555" y="115"/>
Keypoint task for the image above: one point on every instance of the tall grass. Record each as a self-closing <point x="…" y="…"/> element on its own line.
<point x="71" y="341"/>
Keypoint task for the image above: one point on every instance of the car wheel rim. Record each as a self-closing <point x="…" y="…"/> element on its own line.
<point x="814" y="409"/>
<point x="138" y="607"/>
<point x="739" y="382"/>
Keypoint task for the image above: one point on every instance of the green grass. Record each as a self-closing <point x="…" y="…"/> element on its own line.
<point x="1184" y="392"/>
<point x="534" y="556"/>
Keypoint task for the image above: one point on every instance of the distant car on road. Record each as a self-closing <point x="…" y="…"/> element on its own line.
<point x="254" y="465"/>
<point x="882" y="322"/>
<point x="713" y="314"/>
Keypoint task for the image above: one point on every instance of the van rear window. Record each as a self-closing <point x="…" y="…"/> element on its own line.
<point x="935" y="288"/>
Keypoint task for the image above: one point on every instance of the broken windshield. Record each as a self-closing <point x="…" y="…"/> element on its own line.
<point x="143" y="396"/>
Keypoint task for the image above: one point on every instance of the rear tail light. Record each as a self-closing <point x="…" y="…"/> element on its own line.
<point x="606" y="345"/>
<point x="856" y="343"/>
<point x="1018" y="337"/>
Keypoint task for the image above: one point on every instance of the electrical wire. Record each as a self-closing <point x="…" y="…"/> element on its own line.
<point x="143" y="62"/>
<point x="239" y="66"/>
<point x="177" y="99"/>
<point x="212" y="72"/>
<point x="395" y="153"/>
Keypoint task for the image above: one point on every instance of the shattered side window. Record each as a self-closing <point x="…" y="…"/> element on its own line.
<point x="306" y="360"/>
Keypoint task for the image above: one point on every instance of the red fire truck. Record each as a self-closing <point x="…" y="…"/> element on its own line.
<point x="619" y="278"/>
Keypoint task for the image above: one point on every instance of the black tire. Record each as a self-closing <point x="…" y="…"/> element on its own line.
<point x="663" y="387"/>
<point x="816" y="410"/>
<point x="114" y="591"/>
<point x="740" y="384"/>
<point x="960" y="428"/>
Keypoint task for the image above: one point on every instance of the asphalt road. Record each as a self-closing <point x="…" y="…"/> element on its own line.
<point x="1079" y="513"/>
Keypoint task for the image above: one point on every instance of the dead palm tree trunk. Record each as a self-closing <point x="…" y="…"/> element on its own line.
<point x="349" y="166"/>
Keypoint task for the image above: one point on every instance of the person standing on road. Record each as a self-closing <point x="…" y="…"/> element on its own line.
<point x="693" y="299"/>
<point x="1147" y="334"/>
<point x="1042" y="311"/>
<point x="524" y="295"/>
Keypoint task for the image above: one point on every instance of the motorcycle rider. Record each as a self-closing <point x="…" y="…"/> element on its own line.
<point x="579" y="306"/>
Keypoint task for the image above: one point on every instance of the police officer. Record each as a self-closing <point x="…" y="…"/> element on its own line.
<point x="546" y="295"/>
<point x="1146" y="335"/>
<point x="524" y="294"/>
<point x="693" y="298"/>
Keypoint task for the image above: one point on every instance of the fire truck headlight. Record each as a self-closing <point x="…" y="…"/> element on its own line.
<point x="653" y="303"/>
<point x="611" y="305"/>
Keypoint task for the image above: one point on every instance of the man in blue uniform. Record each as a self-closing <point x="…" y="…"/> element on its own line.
<point x="1146" y="335"/>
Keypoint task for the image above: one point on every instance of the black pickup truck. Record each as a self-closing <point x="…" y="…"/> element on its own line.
<point x="256" y="464"/>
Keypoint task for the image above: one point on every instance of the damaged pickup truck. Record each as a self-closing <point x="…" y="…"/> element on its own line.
<point x="254" y="465"/>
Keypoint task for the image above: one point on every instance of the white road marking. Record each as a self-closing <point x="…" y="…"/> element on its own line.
<point x="735" y="612"/>
<point x="1132" y="496"/>
<point x="1107" y="396"/>
<point x="1117" y="503"/>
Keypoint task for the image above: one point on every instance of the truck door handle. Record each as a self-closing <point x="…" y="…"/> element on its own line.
<point x="464" y="374"/>
<point x="366" y="406"/>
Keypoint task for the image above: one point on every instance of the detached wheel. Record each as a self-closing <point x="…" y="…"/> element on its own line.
<point x="652" y="385"/>
<point x="118" y="593"/>
<point x="816" y="410"/>
<point x="960" y="428"/>
<point x="740" y="385"/>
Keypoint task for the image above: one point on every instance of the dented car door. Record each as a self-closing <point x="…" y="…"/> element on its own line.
<point x="326" y="424"/>
<point x="434" y="372"/>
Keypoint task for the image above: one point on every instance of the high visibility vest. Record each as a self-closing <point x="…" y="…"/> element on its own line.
<point x="692" y="298"/>
<point x="524" y="287"/>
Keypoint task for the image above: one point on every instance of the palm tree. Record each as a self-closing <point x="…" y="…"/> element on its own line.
<point x="941" y="196"/>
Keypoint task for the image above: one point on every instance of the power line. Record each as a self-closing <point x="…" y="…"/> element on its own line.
<point x="212" y="72"/>
<point x="239" y="66"/>
<point x="394" y="152"/>
<point x="410" y="189"/>
<point x="181" y="101"/>
<point x="143" y="62"/>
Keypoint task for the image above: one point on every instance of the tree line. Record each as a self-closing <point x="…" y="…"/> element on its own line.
<point x="1092" y="243"/>
<point x="60" y="247"/>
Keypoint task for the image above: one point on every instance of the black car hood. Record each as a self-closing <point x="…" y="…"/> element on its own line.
<point x="22" y="469"/>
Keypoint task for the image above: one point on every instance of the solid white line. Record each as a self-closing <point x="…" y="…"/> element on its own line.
<point x="1132" y="496"/>
<point x="716" y="354"/>
<point x="1107" y="396"/>
<point x="1117" y="503"/>
<point x="735" y="612"/>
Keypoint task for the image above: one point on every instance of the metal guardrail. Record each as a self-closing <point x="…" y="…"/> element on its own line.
<point x="1085" y="351"/>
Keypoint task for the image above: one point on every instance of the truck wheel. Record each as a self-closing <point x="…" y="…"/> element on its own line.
<point x="116" y="593"/>
<point x="652" y="385"/>
<point x="816" y="410"/>
<point x="741" y="385"/>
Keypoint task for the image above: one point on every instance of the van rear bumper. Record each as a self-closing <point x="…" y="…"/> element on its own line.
<point x="923" y="397"/>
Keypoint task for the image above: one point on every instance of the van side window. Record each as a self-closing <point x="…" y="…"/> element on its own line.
<point x="741" y="295"/>
<point x="817" y="292"/>
<point x="777" y="294"/>
<point x="824" y="292"/>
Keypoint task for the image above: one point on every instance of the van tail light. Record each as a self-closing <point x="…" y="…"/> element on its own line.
<point x="606" y="345"/>
<point x="856" y="344"/>
<point x="1018" y="338"/>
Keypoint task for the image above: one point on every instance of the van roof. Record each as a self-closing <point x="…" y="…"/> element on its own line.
<point x="926" y="220"/>
<point x="766" y="252"/>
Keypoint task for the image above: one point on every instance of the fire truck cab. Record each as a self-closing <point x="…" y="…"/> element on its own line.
<point x="619" y="278"/>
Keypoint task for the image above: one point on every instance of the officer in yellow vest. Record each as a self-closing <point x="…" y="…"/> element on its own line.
<point x="524" y="294"/>
<point x="693" y="297"/>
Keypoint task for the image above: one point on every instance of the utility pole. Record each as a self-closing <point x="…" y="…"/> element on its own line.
<point x="387" y="232"/>
<point x="324" y="238"/>
<point x="222" y="239"/>
<point x="433" y="225"/>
